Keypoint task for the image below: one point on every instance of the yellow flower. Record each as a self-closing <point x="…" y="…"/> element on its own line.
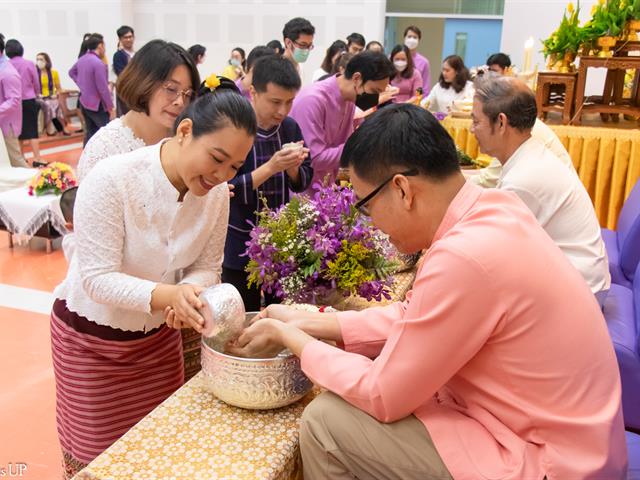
<point x="59" y="184"/>
<point x="212" y="82"/>
<point x="41" y="182"/>
<point x="54" y="175"/>
<point x="594" y="9"/>
<point x="570" y="7"/>
<point x="601" y="2"/>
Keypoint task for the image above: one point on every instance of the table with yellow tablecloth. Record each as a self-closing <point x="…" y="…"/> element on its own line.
<point x="606" y="159"/>
<point x="196" y="436"/>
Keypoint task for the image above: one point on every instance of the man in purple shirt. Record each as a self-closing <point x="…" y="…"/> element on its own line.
<point x="10" y="108"/>
<point x="30" y="87"/>
<point x="91" y="75"/>
<point x="412" y="37"/>
<point x="324" y="110"/>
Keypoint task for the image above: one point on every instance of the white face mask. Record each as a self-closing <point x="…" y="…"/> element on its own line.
<point x="400" y="65"/>
<point x="41" y="64"/>
<point x="411" y="42"/>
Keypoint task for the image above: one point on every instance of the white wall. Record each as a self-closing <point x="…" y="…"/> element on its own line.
<point x="538" y="19"/>
<point x="219" y="25"/>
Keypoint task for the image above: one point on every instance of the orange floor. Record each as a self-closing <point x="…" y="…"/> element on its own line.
<point x="27" y="398"/>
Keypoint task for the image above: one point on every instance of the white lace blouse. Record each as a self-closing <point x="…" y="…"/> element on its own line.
<point x="112" y="139"/>
<point x="131" y="233"/>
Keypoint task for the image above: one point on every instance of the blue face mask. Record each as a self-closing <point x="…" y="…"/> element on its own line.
<point x="300" y="55"/>
<point x="235" y="62"/>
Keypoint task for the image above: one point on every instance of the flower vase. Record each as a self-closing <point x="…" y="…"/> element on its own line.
<point x="606" y="44"/>
<point x="632" y="28"/>
<point x="567" y="62"/>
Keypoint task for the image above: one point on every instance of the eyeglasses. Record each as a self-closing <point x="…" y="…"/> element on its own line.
<point x="172" y="93"/>
<point x="361" y="204"/>
<point x="304" y="46"/>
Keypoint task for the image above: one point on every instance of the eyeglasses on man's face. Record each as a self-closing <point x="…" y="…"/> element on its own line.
<point x="361" y="205"/>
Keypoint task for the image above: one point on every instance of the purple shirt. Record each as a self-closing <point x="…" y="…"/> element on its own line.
<point x="407" y="86"/>
<point x="28" y="77"/>
<point x="245" y="93"/>
<point x="422" y="65"/>
<point x="10" y="99"/>
<point x="326" y="120"/>
<point x="91" y="75"/>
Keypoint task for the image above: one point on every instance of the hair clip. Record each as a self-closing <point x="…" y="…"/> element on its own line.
<point x="212" y="82"/>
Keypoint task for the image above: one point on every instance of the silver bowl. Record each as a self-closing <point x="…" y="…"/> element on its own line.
<point x="253" y="383"/>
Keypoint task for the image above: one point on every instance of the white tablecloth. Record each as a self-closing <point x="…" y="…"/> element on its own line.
<point x="23" y="215"/>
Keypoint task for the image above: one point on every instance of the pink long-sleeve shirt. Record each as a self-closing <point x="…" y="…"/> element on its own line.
<point x="500" y="350"/>
<point x="326" y="121"/>
<point x="407" y="86"/>
<point x="29" y="77"/>
<point x="10" y="99"/>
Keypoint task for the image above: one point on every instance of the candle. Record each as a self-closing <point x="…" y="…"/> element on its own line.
<point x="528" y="52"/>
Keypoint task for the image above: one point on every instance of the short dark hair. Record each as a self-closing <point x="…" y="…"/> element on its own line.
<point x="1" y="43"/>
<point x="356" y="38"/>
<point x="257" y="53"/>
<point x="327" y="64"/>
<point x="407" y="72"/>
<point x="148" y="68"/>
<point x="462" y="74"/>
<point x="372" y="43"/>
<point x="371" y="65"/>
<point x="67" y="201"/>
<point x="277" y="70"/>
<point x="218" y="109"/>
<point x="94" y="41"/>
<point x="196" y="51"/>
<point x="124" y="30"/>
<point x="296" y="27"/>
<point x="47" y="60"/>
<point x="414" y="29"/>
<point x="276" y="45"/>
<point x="500" y="59"/>
<point x="14" y="48"/>
<point x="511" y="97"/>
<point x="400" y="137"/>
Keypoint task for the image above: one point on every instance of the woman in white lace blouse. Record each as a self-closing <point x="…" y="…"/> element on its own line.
<point x="150" y="87"/>
<point x="453" y="85"/>
<point x="141" y="218"/>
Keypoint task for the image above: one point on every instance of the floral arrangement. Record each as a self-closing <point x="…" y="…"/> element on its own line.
<point x="568" y="37"/>
<point x="315" y="248"/>
<point x="54" y="178"/>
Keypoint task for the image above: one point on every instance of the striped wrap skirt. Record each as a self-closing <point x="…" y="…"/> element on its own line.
<point x="107" y="380"/>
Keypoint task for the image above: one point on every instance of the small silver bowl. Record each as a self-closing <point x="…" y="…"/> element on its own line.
<point x="253" y="383"/>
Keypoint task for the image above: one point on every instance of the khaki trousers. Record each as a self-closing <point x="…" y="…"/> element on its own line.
<point x="339" y="441"/>
<point x="14" y="151"/>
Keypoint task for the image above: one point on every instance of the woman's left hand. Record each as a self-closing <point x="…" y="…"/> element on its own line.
<point x="260" y="340"/>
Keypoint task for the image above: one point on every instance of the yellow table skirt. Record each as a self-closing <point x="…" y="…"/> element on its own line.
<point x="606" y="159"/>
<point x="193" y="435"/>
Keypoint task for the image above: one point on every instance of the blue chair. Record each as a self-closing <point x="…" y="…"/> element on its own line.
<point x="622" y="312"/>
<point x="633" y="451"/>
<point x="623" y="245"/>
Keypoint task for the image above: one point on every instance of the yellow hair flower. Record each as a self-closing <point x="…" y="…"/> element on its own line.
<point x="212" y="82"/>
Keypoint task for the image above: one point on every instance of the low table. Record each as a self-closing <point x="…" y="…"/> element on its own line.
<point x="28" y="216"/>
<point x="196" y="436"/>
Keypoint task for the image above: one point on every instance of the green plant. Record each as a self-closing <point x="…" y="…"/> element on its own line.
<point x="608" y="18"/>
<point x="568" y="36"/>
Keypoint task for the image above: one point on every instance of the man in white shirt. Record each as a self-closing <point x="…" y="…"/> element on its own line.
<point x="503" y="115"/>
<point x="488" y="177"/>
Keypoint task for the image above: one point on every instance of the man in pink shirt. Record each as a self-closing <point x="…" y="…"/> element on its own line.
<point x="10" y="108"/>
<point x="324" y="110"/>
<point x="488" y="370"/>
<point x="412" y="37"/>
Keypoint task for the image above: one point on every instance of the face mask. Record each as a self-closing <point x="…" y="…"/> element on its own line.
<point x="365" y="101"/>
<point x="400" y="65"/>
<point x="41" y="64"/>
<point x="235" y="62"/>
<point x="411" y="42"/>
<point x="300" y="55"/>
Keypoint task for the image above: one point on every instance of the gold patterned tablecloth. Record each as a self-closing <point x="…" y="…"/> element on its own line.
<point x="606" y="159"/>
<point x="193" y="435"/>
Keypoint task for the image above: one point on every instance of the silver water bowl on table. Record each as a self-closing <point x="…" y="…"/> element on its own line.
<point x="253" y="383"/>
